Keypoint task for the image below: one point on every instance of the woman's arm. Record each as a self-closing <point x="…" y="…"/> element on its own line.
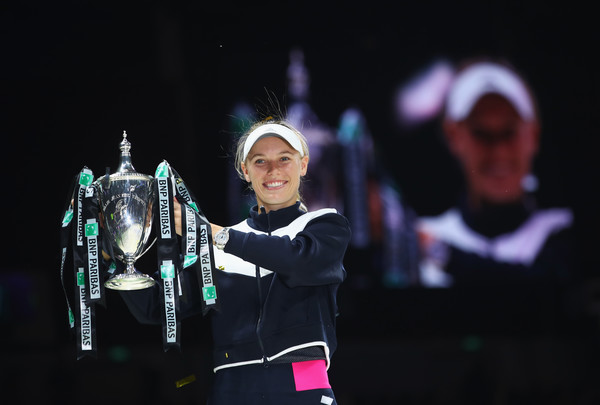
<point x="313" y="257"/>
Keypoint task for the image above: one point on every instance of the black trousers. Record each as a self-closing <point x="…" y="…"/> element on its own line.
<point x="259" y="384"/>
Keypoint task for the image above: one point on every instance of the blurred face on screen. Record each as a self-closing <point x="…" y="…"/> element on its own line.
<point x="495" y="148"/>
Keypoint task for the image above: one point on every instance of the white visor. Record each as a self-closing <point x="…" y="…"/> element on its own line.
<point x="278" y="130"/>
<point x="485" y="78"/>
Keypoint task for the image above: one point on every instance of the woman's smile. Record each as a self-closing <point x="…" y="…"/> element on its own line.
<point x="274" y="185"/>
<point x="274" y="169"/>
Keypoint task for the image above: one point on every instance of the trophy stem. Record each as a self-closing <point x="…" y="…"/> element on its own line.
<point x="130" y="280"/>
<point x="130" y="270"/>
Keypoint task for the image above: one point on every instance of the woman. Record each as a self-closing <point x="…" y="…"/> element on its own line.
<point x="496" y="233"/>
<point x="279" y="274"/>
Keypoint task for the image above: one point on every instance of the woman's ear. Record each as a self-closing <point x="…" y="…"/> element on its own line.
<point x="303" y="165"/>
<point x="245" y="171"/>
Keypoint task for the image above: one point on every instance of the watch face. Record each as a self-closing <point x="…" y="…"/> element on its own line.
<point x="222" y="237"/>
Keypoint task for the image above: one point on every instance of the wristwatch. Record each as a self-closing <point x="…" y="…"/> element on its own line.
<point x="221" y="238"/>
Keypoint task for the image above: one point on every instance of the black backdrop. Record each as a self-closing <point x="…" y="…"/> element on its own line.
<point x="76" y="74"/>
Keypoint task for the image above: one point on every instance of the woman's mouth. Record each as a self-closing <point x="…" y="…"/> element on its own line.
<point x="498" y="170"/>
<point x="274" y="185"/>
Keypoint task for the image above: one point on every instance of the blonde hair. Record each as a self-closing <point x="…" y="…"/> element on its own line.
<point x="239" y="152"/>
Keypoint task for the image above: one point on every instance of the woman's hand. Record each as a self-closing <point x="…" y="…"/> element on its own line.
<point x="178" y="222"/>
<point x="214" y="229"/>
<point x="177" y="215"/>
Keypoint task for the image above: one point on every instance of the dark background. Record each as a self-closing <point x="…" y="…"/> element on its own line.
<point x="76" y="74"/>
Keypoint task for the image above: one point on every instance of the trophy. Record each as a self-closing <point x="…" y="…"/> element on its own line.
<point x="126" y="198"/>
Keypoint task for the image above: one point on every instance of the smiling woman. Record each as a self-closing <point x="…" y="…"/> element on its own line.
<point x="272" y="158"/>
<point x="496" y="233"/>
<point x="275" y="331"/>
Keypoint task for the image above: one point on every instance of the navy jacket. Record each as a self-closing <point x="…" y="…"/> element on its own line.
<point x="277" y="284"/>
<point x="500" y="244"/>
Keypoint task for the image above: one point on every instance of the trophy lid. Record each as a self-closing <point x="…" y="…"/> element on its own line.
<point x="125" y="165"/>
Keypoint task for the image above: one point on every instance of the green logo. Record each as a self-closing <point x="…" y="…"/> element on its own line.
<point x="209" y="293"/>
<point x="167" y="271"/>
<point x="112" y="267"/>
<point x="194" y="206"/>
<point x="162" y="170"/>
<point x="71" y="318"/>
<point x="68" y="217"/>
<point x="85" y="179"/>
<point x="91" y="229"/>
<point x="188" y="260"/>
<point x="80" y="279"/>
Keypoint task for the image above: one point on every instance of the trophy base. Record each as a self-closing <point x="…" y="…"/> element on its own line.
<point x="129" y="281"/>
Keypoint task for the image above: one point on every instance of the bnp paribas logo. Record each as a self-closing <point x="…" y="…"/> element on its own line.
<point x="91" y="229"/>
<point x="67" y="218"/>
<point x="167" y="270"/>
<point x="81" y="278"/>
<point x="86" y="177"/>
<point x="188" y="260"/>
<point x="209" y="293"/>
<point x="162" y="170"/>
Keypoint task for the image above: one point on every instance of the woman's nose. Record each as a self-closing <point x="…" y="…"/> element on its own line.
<point x="271" y="167"/>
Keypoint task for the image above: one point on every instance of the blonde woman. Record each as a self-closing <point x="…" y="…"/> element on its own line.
<point x="280" y="269"/>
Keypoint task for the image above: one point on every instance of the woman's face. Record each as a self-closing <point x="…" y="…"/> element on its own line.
<point x="496" y="149"/>
<point x="274" y="169"/>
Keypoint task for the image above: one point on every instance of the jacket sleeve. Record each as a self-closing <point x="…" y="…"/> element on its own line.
<point x="313" y="257"/>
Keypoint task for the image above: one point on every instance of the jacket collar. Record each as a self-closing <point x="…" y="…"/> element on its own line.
<point x="267" y="222"/>
<point x="493" y="220"/>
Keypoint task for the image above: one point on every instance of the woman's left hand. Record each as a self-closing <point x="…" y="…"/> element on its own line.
<point x="178" y="223"/>
<point x="177" y="215"/>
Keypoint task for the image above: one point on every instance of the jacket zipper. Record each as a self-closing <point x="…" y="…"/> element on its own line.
<point x="260" y="302"/>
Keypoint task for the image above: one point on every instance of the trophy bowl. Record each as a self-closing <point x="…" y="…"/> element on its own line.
<point x="126" y="200"/>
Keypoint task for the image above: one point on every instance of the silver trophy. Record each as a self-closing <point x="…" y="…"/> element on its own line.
<point x="126" y="198"/>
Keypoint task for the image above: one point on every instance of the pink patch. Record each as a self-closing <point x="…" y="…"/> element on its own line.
<point x="310" y="375"/>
